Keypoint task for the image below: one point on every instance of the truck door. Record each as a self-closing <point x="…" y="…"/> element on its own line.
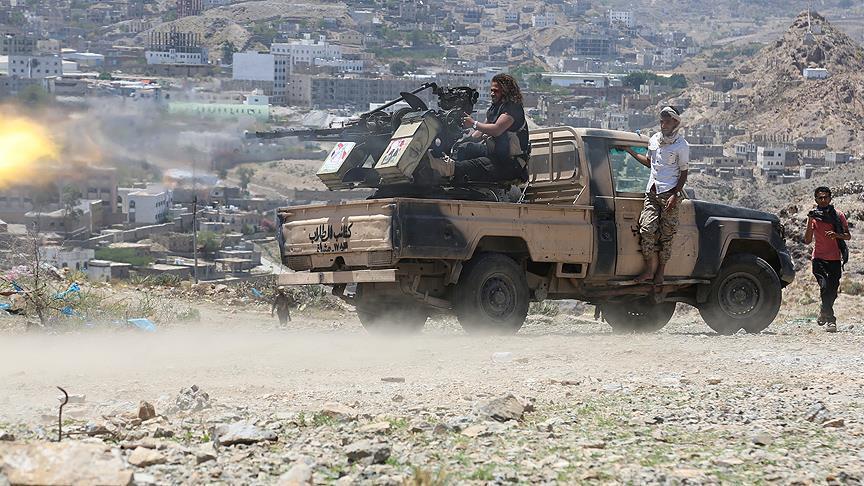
<point x="630" y="179"/>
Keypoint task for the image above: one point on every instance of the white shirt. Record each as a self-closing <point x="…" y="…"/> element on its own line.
<point x="667" y="162"/>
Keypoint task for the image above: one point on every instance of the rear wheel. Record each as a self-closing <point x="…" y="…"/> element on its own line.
<point x="383" y="314"/>
<point x="643" y="315"/>
<point x="492" y="295"/>
<point x="745" y="295"/>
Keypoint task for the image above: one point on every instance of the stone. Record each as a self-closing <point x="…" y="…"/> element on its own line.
<point x="837" y="422"/>
<point x="62" y="463"/>
<point x="77" y="399"/>
<point x="143" y="457"/>
<point x="146" y="411"/>
<point x="714" y="381"/>
<point x="728" y="462"/>
<point x="299" y="475"/>
<point x="7" y="436"/>
<point x="478" y="430"/>
<point x="376" y="428"/>
<point x="339" y="412"/>
<point x="241" y="432"/>
<point x="192" y="399"/>
<point x="367" y="452"/>
<point x="204" y="456"/>
<point x="161" y="433"/>
<point x="816" y="413"/>
<point x="397" y="398"/>
<point x="93" y="429"/>
<point x="502" y="409"/>
<point x="593" y="444"/>
<point x="143" y="478"/>
<point x="762" y="438"/>
<point x="393" y="379"/>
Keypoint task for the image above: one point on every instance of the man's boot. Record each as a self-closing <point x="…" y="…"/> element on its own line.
<point x="443" y="166"/>
<point x="658" y="275"/>
<point x="651" y="263"/>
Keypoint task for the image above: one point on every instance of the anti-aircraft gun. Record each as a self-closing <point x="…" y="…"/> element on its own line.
<point x="381" y="148"/>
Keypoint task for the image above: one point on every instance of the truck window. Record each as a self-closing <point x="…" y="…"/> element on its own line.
<point x="627" y="173"/>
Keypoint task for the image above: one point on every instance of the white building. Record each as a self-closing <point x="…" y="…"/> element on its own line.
<point x="589" y="80"/>
<point x="543" y="20"/>
<point x="815" y="73"/>
<point x="770" y="158"/>
<point x="35" y="66"/>
<point x="621" y="17"/>
<point x="72" y="258"/>
<point x="307" y="50"/>
<point x="147" y="206"/>
<point x="481" y="80"/>
<point x="172" y="56"/>
<point x="258" y="66"/>
<point x="341" y="65"/>
<point x="511" y="17"/>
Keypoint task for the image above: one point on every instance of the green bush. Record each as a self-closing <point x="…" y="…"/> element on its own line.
<point x="123" y="255"/>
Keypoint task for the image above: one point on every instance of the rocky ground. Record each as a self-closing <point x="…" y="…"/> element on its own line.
<point x="323" y="402"/>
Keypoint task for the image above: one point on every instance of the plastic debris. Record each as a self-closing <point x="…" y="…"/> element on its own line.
<point x="143" y="323"/>
<point x="257" y="293"/>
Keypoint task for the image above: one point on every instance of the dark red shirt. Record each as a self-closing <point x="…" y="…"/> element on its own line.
<point x="825" y="248"/>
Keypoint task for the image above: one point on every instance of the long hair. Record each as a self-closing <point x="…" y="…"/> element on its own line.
<point x="509" y="86"/>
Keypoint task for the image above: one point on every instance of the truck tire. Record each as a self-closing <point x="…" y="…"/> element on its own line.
<point x="643" y="315"/>
<point x="386" y="316"/>
<point x="492" y="295"/>
<point x="746" y="294"/>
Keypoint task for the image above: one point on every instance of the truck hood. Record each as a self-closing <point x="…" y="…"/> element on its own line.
<point x="705" y="210"/>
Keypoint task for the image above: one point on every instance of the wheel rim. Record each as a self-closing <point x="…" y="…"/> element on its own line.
<point x="498" y="297"/>
<point x="740" y="295"/>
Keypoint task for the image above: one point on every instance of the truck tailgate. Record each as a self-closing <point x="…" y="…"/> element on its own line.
<point x="355" y="227"/>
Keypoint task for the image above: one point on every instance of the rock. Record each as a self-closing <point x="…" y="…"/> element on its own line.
<point x="714" y="381"/>
<point x="143" y="457"/>
<point x="728" y="462"/>
<point x="143" y="478"/>
<point x="241" y="433"/>
<point x="94" y="429"/>
<point x="837" y="422"/>
<point x="146" y="411"/>
<point x="441" y="429"/>
<point x="145" y="442"/>
<point x="161" y="433"/>
<point x="205" y="455"/>
<point x="339" y="412"/>
<point x="478" y="430"/>
<point x="62" y="463"/>
<point x="366" y="452"/>
<point x="7" y="436"/>
<point x="192" y="399"/>
<point x="376" y="428"/>
<point x="397" y="398"/>
<point x="817" y="413"/>
<point x="548" y="425"/>
<point x="502" y="409"/>
<point x="762" y="438"/>
<point x="299" y="475"/>
<point x="77" y="399"/>
<point x="593" y="444"/>
<point x="393" y="379"/>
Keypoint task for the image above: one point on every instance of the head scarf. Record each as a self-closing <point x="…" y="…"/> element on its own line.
<point x="672" y="137"/>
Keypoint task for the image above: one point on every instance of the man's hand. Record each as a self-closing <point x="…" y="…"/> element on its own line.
<point x="832" y="235"/>
<point x="468" y="122"/>
<point x="671" y="202"/>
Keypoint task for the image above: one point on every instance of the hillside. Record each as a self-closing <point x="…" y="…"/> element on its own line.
<point x="775" y="99"/>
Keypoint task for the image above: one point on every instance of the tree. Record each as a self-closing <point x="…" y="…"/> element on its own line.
<point x="71" y="198"/>
<point x="228" y="51"/>
<point x="245" y="174"/>
<point x="105" y="76"/>
<point x="398" y="68"/>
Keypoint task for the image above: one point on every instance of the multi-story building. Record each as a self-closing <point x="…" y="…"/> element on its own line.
<point x="175" y="48"/>
<point x="185" y="8"/>
<point x="769" y="159"/>
<point x="621" y="17"/>
<point x="305" y="51"/>
<point x="538" y="21"/>
<point x="594" y="45"/>
<point x="480" y="79"/>
<point x="148" y="206"/>
<point x="11" y="44"/>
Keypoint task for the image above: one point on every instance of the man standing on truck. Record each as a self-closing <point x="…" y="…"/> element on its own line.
<point x="829" y="231"/>
<point x="494" y="151"/>
<point x="668" y="158"/>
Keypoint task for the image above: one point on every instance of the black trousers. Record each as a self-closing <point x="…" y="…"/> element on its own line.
<point x="827" y="273"/>
<point x="484" y="169"/>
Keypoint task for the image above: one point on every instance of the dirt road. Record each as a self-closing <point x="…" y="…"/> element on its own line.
<point x="682" y="404"/>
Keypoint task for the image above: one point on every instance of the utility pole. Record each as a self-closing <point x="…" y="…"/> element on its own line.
<point x="195" y="236"/>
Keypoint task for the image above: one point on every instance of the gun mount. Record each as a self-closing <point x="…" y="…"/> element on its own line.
<point x="382" y="148"/>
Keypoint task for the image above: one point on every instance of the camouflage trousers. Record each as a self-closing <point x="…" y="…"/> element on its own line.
<point x="657" y="226"/>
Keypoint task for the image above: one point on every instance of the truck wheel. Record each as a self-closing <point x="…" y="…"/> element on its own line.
<point x="643" y="315"/>
<point x="386" y="316"/>
<point x="745" y="295"/>
<point x="492" y="295"/>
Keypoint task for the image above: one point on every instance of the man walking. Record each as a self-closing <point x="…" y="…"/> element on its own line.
<point x="828" y="229"/>
<point x="282" y="305"/>
<point x="668" y="158"/>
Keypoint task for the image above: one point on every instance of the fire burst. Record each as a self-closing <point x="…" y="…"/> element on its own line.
<point x="23" y="144"/>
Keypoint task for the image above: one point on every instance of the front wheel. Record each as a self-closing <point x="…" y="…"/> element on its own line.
<point x="492" y="295"/>
<point x="745" y="295"/>
<point x="643" y="315"/>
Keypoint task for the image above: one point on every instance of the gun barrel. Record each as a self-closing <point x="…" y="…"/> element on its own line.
<point x="311" y="134"/>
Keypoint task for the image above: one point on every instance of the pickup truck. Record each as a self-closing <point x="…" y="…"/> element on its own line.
<point x="571" y="234"/>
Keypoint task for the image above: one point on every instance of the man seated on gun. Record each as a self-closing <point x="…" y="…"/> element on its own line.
<point x="495" y="151"/>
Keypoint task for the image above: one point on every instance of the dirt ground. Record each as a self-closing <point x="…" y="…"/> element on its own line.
<point x="682" y="405"/>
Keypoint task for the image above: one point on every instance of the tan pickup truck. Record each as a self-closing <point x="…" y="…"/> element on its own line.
<point x="571" y="234"/>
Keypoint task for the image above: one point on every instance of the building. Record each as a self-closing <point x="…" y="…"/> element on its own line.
<point x="327" y="91"/>
<point x="175" y="48"/>
<point x="147" y="206"/>
<point x="71" y="258"/>
<point x="35" y="66"/>
<point x="769" y="159"/>
<point x="305" y="51"/>
<point x="621" y="17"/>
<point x="593" y="80"/>
<point x="185" y="8"/>
<point x="106" y="271"/>
<point x="593" y="45"/>
<point x="480" y="79"/>
<point x="815" y="73"/>
<point x="539" y="21"/>
<point x="12" y="45"/>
